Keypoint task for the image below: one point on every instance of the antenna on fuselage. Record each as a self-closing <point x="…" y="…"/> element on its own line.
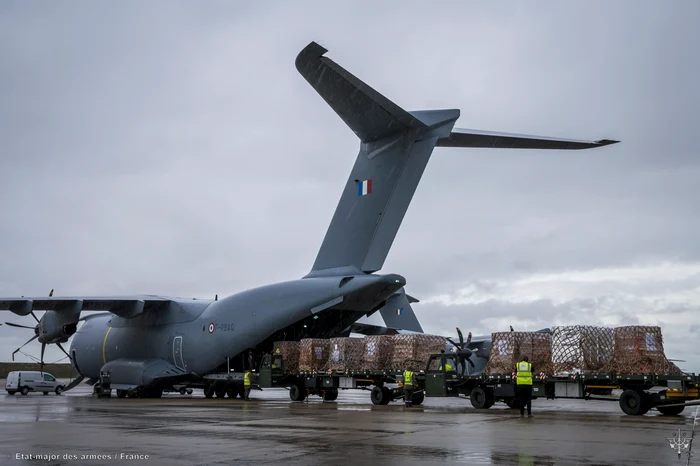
<point x="216" y="297"/>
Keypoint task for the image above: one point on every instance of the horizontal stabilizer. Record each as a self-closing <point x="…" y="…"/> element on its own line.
<point x="490" y="139"/>
<point x="369" y="114"/>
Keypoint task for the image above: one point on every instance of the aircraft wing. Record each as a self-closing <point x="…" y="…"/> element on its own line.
<point x="126" y="306"/>
<point x="491" y="139"/>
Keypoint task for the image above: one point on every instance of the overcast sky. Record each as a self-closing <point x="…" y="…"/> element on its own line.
<point x="172" y="148"/>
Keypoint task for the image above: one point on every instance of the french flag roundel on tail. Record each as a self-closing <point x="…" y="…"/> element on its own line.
<point x="364" y="187"/>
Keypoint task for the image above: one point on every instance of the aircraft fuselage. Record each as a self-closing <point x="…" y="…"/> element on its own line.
<point x="198" y="336"/>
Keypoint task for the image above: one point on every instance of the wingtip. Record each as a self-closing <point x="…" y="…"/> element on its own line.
<point x="606" y="142"/>
<point x="312" y="51"/>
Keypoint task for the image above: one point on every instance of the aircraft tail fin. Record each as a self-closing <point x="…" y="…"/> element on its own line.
<point x="394" y="151"/>
<point x="395" y="147"/>
<point x="398" y="313"/>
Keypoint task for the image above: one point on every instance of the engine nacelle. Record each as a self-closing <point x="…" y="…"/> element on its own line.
<point x="59" y="325"/>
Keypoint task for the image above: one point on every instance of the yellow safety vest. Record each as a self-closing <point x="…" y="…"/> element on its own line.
<point x="246" y="379"/>
<point x="408" y="378"/>
<point x="447" y="367"/>
<point x="523" y="375"/>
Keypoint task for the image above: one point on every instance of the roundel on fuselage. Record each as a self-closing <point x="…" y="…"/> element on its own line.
<point x="211" y="327"/>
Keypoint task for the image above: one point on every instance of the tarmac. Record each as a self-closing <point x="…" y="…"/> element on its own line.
<point x="76" y="428"/>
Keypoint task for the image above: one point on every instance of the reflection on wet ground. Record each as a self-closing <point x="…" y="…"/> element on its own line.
<point x="192" y="430"/>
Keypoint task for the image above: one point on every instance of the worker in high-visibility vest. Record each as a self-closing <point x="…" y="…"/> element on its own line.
<point x="523" y="379"/>
<point x="247" y="376"/>
<point x="409" y="382"/>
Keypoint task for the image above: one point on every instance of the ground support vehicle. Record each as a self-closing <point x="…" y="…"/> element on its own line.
<point x="640" y="393"/>
<point x="32" y="381"/>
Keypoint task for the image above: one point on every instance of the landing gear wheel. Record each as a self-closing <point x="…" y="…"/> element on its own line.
<point x="220" y="392"/>
<point x="59" y="390"/>
<point x="330" y="395"/>
<point x="670" y="410"/>
<point x="380" y="396"/>
<point x="24" y="391"/>
<point x="418" y="398"/>
<point x="481" y="399"/>
<point x="45" y="393"/>
<point x="232" y="391"/>
<point x="121" y="393"/>
<point x="634" y="403"/>
<point x="297" y="393"/>
<point x="183" y="390"/>
<point x="209" y="391"/>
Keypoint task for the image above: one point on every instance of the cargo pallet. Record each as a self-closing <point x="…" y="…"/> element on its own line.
<point x="640" y="393"/>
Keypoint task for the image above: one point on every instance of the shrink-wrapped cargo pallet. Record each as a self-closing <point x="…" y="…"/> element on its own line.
<point x="378" y="352"/>
<point x="508" y="348"/>
<point x="290" y="353"/>
<point x="313" y="354"/>
<point x="345" y="353"/>
<point x="412" y="351"/>
<point x="581" y="348"/>
<point x="640" y="350"/>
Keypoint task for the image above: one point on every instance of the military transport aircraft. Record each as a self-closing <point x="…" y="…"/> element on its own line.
<point x="150" y="343"/>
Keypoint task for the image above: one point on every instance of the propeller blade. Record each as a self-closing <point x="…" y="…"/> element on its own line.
<point x="43" y="347"/>
<point x="64" y="352"/>
<point x="28" y="341"/>
<point x="453" y="343"/>
<point x="34" y="315"/>
<point x="461" y="338"/>
<point x="471" y="363"/>
<point x="469" y="338"/>
<point x="17" y="325"/>
<point x="74" y="383"/>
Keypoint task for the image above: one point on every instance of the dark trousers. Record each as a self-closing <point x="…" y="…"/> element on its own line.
<point x="246" y="393"/>
<point x="408" y="395"/>
<point x="524" y="393"/>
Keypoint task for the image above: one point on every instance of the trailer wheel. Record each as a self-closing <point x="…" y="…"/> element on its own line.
<point x="121" y="393"/>
<point x="183" y="390"/>
<point x="209" y="391"/>
<point x="418" y="398"/>
<point x="231" y="391"/>
<point x="330" y="395"/>
<point x="481" y="399"/>
<point x="670" y="410"/>
<point x="634" y="403"/>
<point x="220" y="392"/>
<point x="380" y="395"/>
<point x="297" y="393"/>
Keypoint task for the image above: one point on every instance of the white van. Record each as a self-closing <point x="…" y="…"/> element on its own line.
<point x="33" y="381"/>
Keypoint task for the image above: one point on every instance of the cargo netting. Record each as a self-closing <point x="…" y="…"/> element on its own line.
<point x="313" y="354"/>
<point x="378" y="352"/>
<point x="581" y="348"/>
<point x="640" y="350"/>
<point x="509" y="348"/>
<point x="290" y="353"/>
<point x="412" y="351"/>
<point x="346" y="353"/>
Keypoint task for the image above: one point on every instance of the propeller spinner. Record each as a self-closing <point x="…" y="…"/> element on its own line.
<point x="37" y="331"/>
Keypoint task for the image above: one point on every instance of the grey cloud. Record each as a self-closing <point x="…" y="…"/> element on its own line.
<point x="172" y="148"/>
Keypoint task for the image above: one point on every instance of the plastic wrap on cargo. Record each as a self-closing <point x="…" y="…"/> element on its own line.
<point x="581" y="348"/>
<point x="345" y="353"/>
<point x="640" y="350"/>
<point x="508" y="348"/>
<point x="313" y="354"/>
<point x="378" y="352"/>
<point x="290" y="353"/>
<point x="412" y="351"/>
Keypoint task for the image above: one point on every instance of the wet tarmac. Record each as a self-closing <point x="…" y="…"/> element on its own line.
<point x="192" y="430"/>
